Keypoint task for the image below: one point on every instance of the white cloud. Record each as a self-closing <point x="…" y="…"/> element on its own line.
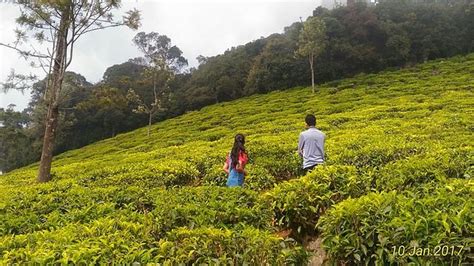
<point x="197" y="27"/>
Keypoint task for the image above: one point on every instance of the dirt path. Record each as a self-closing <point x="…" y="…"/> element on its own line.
<point x="319" y="256"/>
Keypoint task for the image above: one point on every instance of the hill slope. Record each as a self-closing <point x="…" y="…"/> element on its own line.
<point x="399" y="155"/>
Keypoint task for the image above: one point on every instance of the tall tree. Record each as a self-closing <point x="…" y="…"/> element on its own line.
<point x="15" y="141"/>
<point x="125" y="75"/>
<point x="105" y="112"/>
<point x="60" y="24"/>
<point x="162" y="61"/>
<point x="312" y="41"/>
<point x="276" y="67"/>
<point x="74" y="90"/>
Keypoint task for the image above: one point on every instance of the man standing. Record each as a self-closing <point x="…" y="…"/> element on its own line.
<point x="311" y="144"/>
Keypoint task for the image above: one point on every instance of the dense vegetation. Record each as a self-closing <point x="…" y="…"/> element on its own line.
<point x="398" y="173"/>
<point x="360" y="39"/>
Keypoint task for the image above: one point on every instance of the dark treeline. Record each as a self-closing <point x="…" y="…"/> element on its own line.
<point x="360" y="39"/>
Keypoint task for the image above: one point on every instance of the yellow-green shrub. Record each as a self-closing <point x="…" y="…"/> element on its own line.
<point x="370" y="229"/>
<point x="221" y="246"/>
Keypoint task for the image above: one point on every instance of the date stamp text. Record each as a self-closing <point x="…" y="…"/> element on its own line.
<point x="436" y="251"/>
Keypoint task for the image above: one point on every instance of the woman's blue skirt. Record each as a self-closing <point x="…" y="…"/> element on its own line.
<point x="235" y="178"/>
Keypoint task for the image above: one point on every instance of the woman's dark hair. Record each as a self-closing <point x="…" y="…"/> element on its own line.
<point x="239" y="142"/>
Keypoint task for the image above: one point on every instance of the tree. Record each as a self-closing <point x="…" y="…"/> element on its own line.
<point x="15" y="141"/>
<point x="105" y="113"/>
<point x="125" y="75"/>
<point x="275" y="67"/>
<point x="312" y="41"/>
<point x="74" y="90"/>
<point x="202" y="59"/>
<point x="60" y="24"/>
<point x="162" y="61"/>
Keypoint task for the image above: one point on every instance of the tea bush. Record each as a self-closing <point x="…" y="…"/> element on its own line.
<point x="399" y="155"/>
<point x="416" y="170"/>
<point x="208" y="206"/>
<point x="299" y="203"/>
<point x="145" y="225"/>
<point x="259" y="179"/>
<point x="220" y="246"/>
<point x="372" y="228"/>
<point x="103" y="240"/>
<point x="53" y="205"/>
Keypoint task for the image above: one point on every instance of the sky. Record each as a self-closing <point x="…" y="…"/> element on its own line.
<point x="199" y="27"/>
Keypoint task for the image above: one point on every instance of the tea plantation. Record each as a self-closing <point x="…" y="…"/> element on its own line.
<point x="397" y="178"/>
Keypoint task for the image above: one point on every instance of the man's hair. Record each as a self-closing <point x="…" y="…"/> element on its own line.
<point x="310" y="120"/>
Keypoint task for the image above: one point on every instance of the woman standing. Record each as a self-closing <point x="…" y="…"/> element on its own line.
<point x="235" y="162"/>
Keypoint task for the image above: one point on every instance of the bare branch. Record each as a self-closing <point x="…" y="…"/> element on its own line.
<point x="89" y="14"/>
<point x="71" y="42"/>
<point x="99" y="15"/>
<point x="53" y="36"/>
<point x="17" y="81"/>
<point x="24" y="53"/>
<point x="43" y="68"/>
<point x="86" y="16"/>
<point x="104" y="27"/>
<point x="57" y="13"/>
<point x="79" y="7"/>
<point x="44" y="19"/>
<point x="40" y="60"/>
<point x="70" y="55"/>
<point x="51" y="59"/>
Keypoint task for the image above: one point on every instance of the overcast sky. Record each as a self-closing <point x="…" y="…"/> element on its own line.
<point x="199" y="27"/>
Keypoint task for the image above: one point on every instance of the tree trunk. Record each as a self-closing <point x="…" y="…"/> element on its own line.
<point x="154" y="88"/>
<point x="312" y="71"/>
<point x="44" y="173"/>
<point x="149" y="123"/>
<point x="155" y="100"/>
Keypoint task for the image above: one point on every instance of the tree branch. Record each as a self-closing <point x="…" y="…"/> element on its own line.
<point x="99" y="15"/>
<point x="24" y="53"/>
<point x="40" y="60"/>
<point x="104" y="27"/>
<point x="71" y="42"/>
<point x="87" y="15"/>
<point x="17" y="81"/>
<point x="39" y="14"/>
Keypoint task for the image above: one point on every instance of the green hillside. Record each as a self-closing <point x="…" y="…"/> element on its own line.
<point x="398" y="173"/>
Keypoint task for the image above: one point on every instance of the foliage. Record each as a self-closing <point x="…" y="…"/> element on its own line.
<point x="373" y="227"/>
<point x="360" y="39"/>
<point x="60" y="24"/>
<point x="312" y="41"/>
<point x="161" y="61"/>
<point x="312" y="37"/>
<point x="212" y="246"/>
<point x="275" y="67"/>
<point x="15" y="142"/>
<point x="299" y="203"/>
<point x="399" y="138"/>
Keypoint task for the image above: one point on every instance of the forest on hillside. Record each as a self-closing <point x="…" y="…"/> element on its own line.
<point x="360" y="38"/>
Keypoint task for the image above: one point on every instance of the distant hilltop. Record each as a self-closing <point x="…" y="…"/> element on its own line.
<point x="329" y="4"/>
